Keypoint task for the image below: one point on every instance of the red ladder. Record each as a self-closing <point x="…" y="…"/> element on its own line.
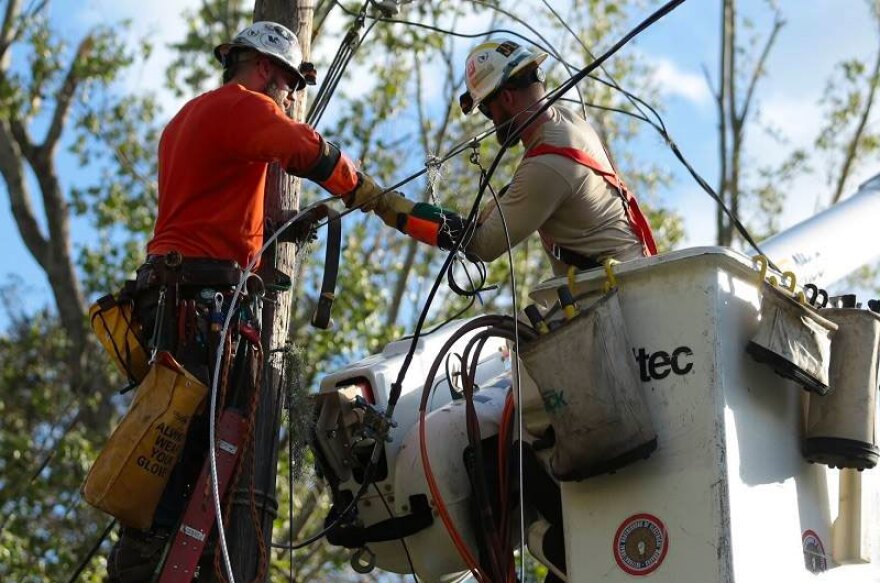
<point x="199" y="517"/>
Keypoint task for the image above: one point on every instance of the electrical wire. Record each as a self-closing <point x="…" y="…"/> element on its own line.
<point x="515" y="367"/>
<point x="502" y="31"/>
<point x="497" y="326"/>
<point x="347" y="48"/>
<point x="402" y="540"/>
<point x="445" y="322"/>
<point x="472" y="297"/>
<point x="458" y="542"/>
<point x="94" y="549"/>
<point x="212" y="419"/>
<point x="636" y="101"/>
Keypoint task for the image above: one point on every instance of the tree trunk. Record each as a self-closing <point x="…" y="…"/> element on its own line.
<point x="282" y="194"/>
<point x="733" y="133"/>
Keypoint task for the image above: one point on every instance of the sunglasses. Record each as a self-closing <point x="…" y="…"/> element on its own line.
<point x="467" y="104"/>
<point x="484" y="106"/>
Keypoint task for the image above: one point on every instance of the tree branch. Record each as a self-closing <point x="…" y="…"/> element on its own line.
<point x="7" y="30"/>
<point x="709" y="82"/>
<point x="852" y="147"/>
<point x="724" y="74"/>
<point x="23" y="139"/>
<point x="778" y="23"/>
<point x="19" y="197"/>
<point x="64" y="98"/>
<point x="306" y="509"/>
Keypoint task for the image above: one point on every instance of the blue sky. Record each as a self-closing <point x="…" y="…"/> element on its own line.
<point x="818" y="34"/>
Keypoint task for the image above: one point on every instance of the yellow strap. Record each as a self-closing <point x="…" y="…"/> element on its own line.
<point x="571" y="271"/>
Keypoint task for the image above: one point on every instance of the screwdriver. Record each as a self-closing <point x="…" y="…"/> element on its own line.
<point x="567" y="301"/>
<point x="534" y="316"/>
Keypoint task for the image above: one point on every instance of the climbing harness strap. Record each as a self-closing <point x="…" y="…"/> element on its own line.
<point x="634" y="216"/>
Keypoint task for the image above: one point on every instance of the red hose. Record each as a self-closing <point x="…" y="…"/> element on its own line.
<point x="459" y="543"/>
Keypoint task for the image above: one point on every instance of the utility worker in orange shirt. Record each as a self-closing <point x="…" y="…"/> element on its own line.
<point x="213" y="162"/>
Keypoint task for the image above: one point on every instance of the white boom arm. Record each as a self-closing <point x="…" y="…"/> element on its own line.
<point x="834" y="243"/>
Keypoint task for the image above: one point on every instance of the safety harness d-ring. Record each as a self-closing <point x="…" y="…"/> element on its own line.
<point x="363" y="560"/>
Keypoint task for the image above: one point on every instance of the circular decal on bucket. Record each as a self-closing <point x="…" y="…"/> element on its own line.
<point x="640" y="544"/>
<point x="814" y="552"/>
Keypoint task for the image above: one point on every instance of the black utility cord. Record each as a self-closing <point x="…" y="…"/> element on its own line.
<point x="636" y="101"/>
<point x="344" y="54"/>
<point x="402" y="540"/>
<point x="84" y="563"/>
<point x="512" y="139"/>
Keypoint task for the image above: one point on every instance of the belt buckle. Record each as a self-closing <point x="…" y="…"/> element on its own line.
<point x="173" y="259"/>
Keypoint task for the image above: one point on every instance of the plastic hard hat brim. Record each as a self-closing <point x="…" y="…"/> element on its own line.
<point x="222" y="50"/>
<point x="474" y="103"/>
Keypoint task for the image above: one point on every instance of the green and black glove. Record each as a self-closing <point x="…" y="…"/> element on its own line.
<point x="423" y="222"/>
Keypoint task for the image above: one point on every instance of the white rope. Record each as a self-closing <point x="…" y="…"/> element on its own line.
<point x="434" y="164"/>
<point x="212" y="421"/>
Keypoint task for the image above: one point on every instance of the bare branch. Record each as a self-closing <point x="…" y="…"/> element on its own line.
<point x="852" y="146"/>
<point x="724" y="75"/>
<point x="305" y="511"/>
<point x="23" y="139"/>
<point x="8" y="33"/>
<point x="709" y="84"/>
<point x="758" y="71"/>
<point x="64" y="97"/>
<point x="19" y="196"/>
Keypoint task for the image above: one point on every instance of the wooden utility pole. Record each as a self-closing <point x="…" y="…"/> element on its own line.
<point x="282" y="194"/>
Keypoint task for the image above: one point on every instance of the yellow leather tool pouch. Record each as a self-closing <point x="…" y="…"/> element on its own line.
<point x="111" y="321"/>
<point x="127" y="479"/>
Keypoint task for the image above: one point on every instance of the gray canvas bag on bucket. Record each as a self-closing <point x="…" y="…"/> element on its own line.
<point x="591" y="390"/>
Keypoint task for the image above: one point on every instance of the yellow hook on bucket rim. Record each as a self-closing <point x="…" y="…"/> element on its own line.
<point x="791" y="276"/>
<point x="610" y="278"/>
<point x="763" y="263"/>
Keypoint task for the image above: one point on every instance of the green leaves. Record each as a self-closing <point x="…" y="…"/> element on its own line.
<point x="47" y="441"/>
<point x="195" y="69"/>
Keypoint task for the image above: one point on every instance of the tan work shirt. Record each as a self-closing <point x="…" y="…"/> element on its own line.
<point x="567" y="203"/>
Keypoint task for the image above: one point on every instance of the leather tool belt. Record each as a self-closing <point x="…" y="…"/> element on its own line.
<point x="174" y="269"/>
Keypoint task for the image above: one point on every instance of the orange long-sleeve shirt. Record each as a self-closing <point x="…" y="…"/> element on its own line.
<point x="213" y="160"/>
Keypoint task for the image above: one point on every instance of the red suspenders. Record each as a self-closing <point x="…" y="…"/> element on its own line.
<point x="634" y="216"/>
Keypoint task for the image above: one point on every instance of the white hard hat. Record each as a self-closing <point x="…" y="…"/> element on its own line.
<point x="490" y="64"/>
<point x="271" y="39"/>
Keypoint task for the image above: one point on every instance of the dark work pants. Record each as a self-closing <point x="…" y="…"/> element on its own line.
<point x="195" y="360"/>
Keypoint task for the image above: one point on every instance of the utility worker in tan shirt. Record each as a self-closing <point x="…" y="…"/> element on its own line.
<point x="565" y="188"/>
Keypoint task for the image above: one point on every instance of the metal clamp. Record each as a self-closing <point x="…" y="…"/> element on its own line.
<point x="376" y="425"/>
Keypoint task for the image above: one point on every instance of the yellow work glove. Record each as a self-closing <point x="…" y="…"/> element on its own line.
<point x="393" y="209"/>
<point x="365" y="196"/>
